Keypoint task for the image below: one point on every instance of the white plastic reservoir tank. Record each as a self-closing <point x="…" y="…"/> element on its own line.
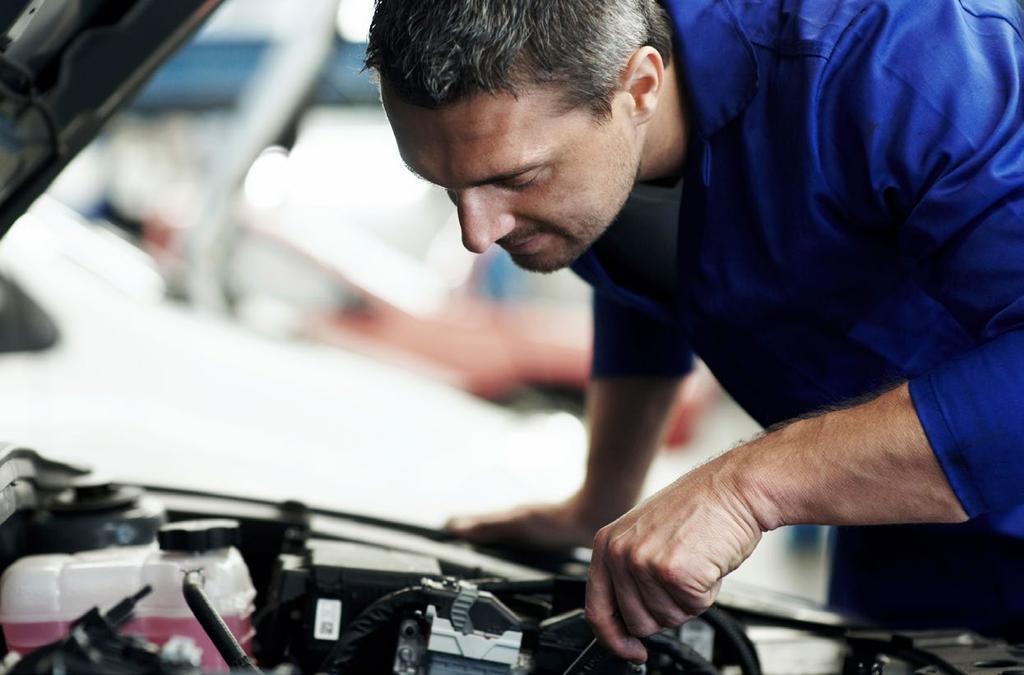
<point x="40" y="596"/>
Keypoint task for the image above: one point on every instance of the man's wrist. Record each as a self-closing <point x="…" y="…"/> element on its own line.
<point x="762" y="475"/>
<point x="863" y="465"/>
<point x="597" y="507"/>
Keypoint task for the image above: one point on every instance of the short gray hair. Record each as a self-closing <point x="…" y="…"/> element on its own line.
<point x="436" y="52"/>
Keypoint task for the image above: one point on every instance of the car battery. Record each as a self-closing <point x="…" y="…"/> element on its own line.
<point x="40" y="596"/>
<point x="327" y="586"/>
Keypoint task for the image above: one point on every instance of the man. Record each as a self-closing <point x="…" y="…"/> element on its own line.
<point x="850" y="258"/>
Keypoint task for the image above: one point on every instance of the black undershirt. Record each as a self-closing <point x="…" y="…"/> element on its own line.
<point x="638" y="251"/>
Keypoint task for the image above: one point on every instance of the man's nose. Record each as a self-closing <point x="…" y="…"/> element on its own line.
<point x="483" y="217"/>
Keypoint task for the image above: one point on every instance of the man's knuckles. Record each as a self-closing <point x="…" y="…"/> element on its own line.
<point x="670" y="617"/>
<point x="639" y="562"/>
<point x="594" y="617"/>
<point x="651" y="564"/>
<point x="641" y="627"/>
<point x="618" y="552"/>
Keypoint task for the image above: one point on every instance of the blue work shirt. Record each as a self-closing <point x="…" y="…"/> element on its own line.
<point x="853" y="217"/>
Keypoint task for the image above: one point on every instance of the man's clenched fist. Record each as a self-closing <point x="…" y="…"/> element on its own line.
<point x="662" y="563"/>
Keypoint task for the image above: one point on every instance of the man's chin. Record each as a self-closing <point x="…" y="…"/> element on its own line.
<point x="542" y="263"/>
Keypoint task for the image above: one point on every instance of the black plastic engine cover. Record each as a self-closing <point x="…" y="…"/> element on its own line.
<point x="316" y="594"/>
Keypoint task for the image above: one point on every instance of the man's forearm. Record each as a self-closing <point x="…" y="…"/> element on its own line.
<point x="664" y="561"/>
<point x="867" y="464"/>
<point x="626" y="419"/>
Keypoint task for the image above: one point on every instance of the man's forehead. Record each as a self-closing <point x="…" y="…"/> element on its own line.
<point x="482" y="113"/>
<point x="471" y="140"/>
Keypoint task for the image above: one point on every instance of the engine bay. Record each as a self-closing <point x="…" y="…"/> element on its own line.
<point x="100" y="577"/>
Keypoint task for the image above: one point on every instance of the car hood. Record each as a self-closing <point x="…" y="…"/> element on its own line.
<point x="155" y="393"/>
<point x="66" y="66"/>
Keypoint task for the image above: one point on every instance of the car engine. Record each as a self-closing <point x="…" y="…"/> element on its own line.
<point x="106" y="578"/>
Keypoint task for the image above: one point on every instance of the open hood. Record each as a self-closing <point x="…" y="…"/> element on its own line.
<point x="66" y="66"/>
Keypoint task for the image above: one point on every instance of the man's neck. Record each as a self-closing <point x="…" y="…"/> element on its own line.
<point x="665" y="142"/>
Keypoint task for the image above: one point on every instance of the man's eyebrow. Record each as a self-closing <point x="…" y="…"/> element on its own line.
<point x="507" y="176"/>
<point x="491" y="180"/>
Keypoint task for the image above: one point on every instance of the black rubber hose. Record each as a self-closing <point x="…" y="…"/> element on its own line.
<point x="683" y="655"/>
<point x="219" y="633"/>
<point x="370" y="620"/>
<point x="733" y="631"/>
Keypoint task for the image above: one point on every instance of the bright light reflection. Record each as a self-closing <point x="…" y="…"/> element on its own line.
<point x="355" y="165"/>
<point x="354" y="17"/>
<point x="547" y="451"/>
<point x="266" y="184"/>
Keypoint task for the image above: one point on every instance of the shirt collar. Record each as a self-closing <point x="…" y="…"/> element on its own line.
<point x="717" y="59"/>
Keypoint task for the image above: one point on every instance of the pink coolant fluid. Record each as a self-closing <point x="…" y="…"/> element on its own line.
<point x="40" y="596"/>
<point x="27" y="637"/>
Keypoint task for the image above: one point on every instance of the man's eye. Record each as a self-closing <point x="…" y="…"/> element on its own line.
<point x="522" y="184"/>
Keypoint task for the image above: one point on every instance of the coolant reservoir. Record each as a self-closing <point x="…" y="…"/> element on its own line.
<point x="41" y="595"/>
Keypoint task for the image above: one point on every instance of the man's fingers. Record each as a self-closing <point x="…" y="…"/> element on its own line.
<point x="464" y="526"/>
<point x="682" y="588"/>
<point x="602" y="614"/>
<point x="635" y="615"/>
<point x="661" y="601"/>
<point x="552" y="526"/>
<point x="489" y="528"/>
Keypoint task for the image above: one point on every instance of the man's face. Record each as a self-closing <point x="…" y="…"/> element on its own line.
<point x="540" y="182"/>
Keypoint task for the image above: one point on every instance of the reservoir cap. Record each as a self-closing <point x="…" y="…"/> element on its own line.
<point x="199" y="536"/>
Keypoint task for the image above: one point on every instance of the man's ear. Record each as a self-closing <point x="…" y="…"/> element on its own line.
<point x="643" y="81"/>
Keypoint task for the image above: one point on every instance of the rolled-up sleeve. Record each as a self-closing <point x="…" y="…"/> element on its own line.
<point x="940" y="132"/>
<point x="972" y="410"/>
<point x="631" y="342"/>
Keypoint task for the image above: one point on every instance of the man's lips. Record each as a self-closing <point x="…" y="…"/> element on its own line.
<point x="524" y="246"/>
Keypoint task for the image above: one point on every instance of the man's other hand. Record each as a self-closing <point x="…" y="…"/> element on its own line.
<point x="552" y="526"/>
<point x="662" y="563"/>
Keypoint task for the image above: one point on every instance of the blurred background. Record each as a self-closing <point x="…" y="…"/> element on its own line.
<point x="239" y="287"/>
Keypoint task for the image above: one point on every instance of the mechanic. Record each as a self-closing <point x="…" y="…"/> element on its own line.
<point x="849" y="263"/>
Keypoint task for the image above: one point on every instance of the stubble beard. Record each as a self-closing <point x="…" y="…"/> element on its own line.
<point x="547" y="262"/>
<point x="578" y="238"/>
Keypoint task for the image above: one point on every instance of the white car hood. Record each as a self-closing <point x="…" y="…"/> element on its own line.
<point x="151" y="392"/>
